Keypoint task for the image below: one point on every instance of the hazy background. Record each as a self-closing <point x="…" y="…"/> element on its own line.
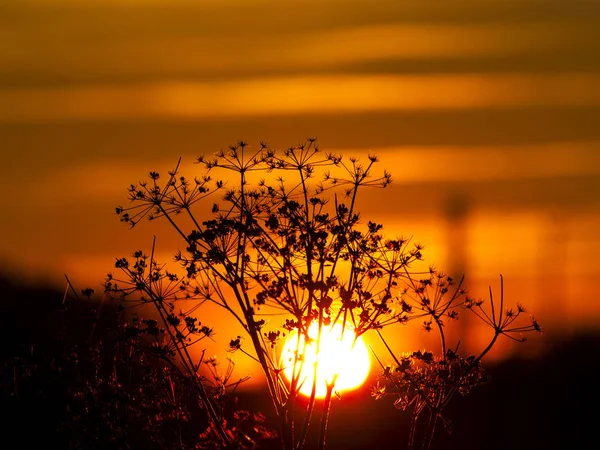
<point x="486" y="113"/>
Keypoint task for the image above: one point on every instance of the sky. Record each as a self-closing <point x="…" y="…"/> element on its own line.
<point x="486" y="113"/>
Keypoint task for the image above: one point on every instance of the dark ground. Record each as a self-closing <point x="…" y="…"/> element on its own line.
<point x="547" y="403"/>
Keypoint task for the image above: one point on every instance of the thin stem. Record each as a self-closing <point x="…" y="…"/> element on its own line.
<point x="438" y="322"/>
<point x="489" y="347"/>
<point x="412" y="430"/>
<point x="325" y="414"/>
<point x="430" y="429"/>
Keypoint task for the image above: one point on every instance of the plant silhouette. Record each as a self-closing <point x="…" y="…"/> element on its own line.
<point x="276" y="235"/>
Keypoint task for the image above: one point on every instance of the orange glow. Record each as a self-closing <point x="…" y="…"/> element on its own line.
<point x="339" y="354"/>
<point x="299" y="94"/>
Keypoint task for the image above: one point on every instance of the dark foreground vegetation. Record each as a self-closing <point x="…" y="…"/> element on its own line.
<point x="53" y="393"/>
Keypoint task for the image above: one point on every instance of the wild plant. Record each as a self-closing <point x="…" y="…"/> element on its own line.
<point x="285" y="252"/>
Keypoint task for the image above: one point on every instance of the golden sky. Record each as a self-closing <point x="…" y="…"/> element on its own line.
<point x="493" y="103"/>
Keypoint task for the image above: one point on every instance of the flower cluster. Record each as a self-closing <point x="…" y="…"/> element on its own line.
<point x="293" y="246"/>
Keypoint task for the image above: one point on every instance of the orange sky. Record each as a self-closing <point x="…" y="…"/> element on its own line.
<point x="493" y="103"/>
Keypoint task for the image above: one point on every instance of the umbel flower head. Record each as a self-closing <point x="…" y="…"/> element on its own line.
<point x="275" y="239"/>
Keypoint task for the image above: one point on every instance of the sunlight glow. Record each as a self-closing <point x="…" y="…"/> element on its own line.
<point x="339" y="354"/>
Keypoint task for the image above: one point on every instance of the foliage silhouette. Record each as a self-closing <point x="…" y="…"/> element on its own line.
<point x="285" y="238"/>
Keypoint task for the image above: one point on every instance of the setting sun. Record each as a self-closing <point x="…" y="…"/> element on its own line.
<point x="339" y="354"/>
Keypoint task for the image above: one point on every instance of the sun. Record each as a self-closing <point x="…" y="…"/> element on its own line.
<point x="339" y="354"/>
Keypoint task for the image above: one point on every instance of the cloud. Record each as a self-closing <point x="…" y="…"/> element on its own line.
<point x="298" y="95"/>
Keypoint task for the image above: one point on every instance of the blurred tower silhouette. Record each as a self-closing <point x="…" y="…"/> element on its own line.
<point x="553" y="275"/>
<point x="456" y="212"/>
